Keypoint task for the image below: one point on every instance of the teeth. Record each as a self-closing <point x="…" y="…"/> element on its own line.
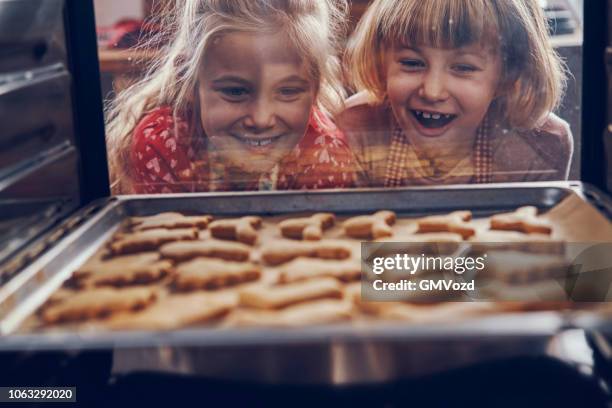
<point x="435" y="116"/>
<point x="258" y="143"/>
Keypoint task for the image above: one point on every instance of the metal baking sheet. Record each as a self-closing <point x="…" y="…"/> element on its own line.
<point x="332" y="353"/>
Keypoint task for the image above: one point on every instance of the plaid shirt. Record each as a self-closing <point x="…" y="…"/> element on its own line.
<point x="402" y="158"/>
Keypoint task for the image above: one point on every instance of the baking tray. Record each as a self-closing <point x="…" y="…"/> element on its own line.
<point x="339" y="353"/>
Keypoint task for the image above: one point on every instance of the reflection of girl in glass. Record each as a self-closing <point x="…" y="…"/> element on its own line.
<point x="453" y="92"/>
<point x="239" y="101"/>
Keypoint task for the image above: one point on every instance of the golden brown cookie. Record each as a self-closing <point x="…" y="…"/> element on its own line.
<point x="308" y="268"/>
<point x="60" y="295"/>
<point x="208" y="273"/>
<point x="240" y="229"/>
<point x="275" y="297"/>
<point x="425" y="243"/>
<point x="123" y="270"/>
<point x="310" y="313"/>
<point x="170" y="220"/>
<point x="524" y="219"/>
<point x="519" y="267"/>
<point x="149" y="240"/>
<point x="99" y="302"/>
<point x="373" y="226"/>
<point x="186" y="250"/>
<point x="175" y="312"/>
<point x="279" y="252"/>
<point x="489" y="240"/>
<point x="456" y="222"/>
<point x="307" y="228"/>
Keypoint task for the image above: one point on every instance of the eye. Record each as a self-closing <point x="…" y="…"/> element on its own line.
<point x="412" y="64"/>
<point x="465" y="68"/>
<point x="235" y="93"/>
<point x="290" y="93"/>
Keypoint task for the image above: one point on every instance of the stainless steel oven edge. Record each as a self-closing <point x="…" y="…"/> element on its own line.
<point x="207" y="351"/>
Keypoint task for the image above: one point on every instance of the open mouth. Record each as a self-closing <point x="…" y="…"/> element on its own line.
<point x="253" y="142"/>
<point x="433" y="120"/>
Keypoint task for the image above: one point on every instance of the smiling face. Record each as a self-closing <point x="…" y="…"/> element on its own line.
<point x="440" y="96"/>
<point x="256" y="98"/>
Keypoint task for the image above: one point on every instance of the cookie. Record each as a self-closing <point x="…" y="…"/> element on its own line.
<point x="307" y="228"/>
<point x="170" y="220"/>
<point x="279" y="252"/>
<point x="307" y="268"/>
<point x="275" y="297"/>
<point x="175" y="312"/>
<point x="240" y="229"/>
<point x="425" y="243"/>
<point x="519" y="267"/>
<point x="123" y="270"/>
<point x="456" y="222"/>
<point x="539" y="295"/>
<point x="318" y="312"/>
<point x="186" y="250"/>
<point x="524" y="219"/>
<point x="149" y="240"/>
<point x="373" y="226"/>
<point x="208" y="273"/>
<point x="60" y="295"/>
<point x="99" y="302"/>
<point x="490" y="240"/>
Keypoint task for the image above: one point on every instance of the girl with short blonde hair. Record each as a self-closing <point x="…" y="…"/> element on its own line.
<point x="456" y="91"/>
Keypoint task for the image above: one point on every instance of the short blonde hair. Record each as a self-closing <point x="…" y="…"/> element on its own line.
<point x="317" y="28"/>
<point x="533" y="75"/>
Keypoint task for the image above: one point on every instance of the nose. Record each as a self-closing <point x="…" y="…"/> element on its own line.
<point x="433" y="88"/>
<point x="261" y="115"/>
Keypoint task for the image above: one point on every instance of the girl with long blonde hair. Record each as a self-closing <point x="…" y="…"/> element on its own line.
<point x="240" y="99"/>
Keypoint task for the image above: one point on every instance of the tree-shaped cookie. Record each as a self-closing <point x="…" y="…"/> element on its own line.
<point x="307" y="228"/>
<point x="456" y="222"/>
<point x="239" y="229"/>
<point x="375" y="226"/>
<point x="524" y="219"/>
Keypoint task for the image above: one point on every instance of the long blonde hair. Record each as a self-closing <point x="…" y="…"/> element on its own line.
<point x="316" y="27"/>
<point x="533" y="75"/>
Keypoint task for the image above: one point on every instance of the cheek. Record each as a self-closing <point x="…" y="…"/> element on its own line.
<point x="401" y="86"/>
<point x="217" y="114"/>
<point x="296" y="115"/>
<point x="475" y="97"/>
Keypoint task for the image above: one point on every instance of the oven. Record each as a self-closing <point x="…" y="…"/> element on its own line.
<point x="58" y="211"/>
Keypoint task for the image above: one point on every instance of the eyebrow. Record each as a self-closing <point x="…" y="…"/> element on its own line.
<point x="410" y="48"/>
<point x="477" y="54"/>
<point x="295" y="78"/>
<point x="230" y="78"/>
<point x="458" y="52"/>
<point x="236" y="79"/>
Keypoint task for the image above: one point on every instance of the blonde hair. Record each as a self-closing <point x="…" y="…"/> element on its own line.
<point x="316" y="27"/>
<point x="533" y="76"/>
